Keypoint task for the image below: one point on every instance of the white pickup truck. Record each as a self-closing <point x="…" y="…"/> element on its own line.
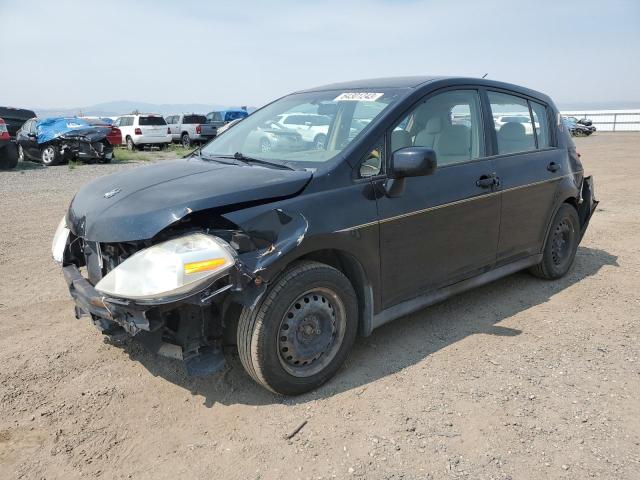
<point x="186" y="128"/>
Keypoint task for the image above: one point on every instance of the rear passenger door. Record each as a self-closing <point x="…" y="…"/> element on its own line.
<point x="529" y="168"/>
<point x="443" y="228"/>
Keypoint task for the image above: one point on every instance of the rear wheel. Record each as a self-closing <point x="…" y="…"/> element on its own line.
<point x="561" y="245"/>
<point x="8" y="156"/>
<point x="130" y="145"/>
<point x="300" y="334"/>
<point x="50" y="155"/>
<point x="186" y="140"/>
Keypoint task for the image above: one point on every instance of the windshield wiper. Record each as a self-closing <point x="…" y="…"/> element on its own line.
<point x="248" y="160"/>
<point x="217" y="158"/>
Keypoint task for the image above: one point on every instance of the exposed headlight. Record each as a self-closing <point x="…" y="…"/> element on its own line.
<point x="60" y="241"/>
<point x="169" y="269"/>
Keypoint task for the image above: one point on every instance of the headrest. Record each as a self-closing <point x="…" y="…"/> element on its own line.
<point x="434" y="125"/>
<point x="512" y="131"/>
<point x="455" y="140"/>
<point x="400" y="139"/>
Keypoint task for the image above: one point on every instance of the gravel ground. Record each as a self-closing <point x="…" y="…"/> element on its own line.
<point x="520" y="379"/>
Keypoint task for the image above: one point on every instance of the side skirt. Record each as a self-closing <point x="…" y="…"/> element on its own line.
<point x="418" y="303"/>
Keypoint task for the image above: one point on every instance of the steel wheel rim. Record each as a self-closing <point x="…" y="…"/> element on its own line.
<point x="311" y="332"/>
<point x="185" y="141"/>
<point x="48" y="155"/>
<point x="129" y="144"/>
<point x="561" y="242"/>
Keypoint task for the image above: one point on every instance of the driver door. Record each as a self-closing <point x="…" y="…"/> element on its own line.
<point x="444" y="227"/>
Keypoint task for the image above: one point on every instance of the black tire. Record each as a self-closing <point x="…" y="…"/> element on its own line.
<point x="319" y="141"/>
<point x="162" y="146"/>
<point x="130" y="145"/>
<point x="328" y="300"/>
<point x="50" y="155"/>
<point x="185" y="140"/>
<point x="8" y="156"/>
<point x="561" y="245"/>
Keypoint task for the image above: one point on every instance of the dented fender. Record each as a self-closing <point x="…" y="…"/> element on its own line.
<point x="273" y="233"/>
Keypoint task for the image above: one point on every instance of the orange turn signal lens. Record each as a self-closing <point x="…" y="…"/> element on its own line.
<point x="204" y="265"/>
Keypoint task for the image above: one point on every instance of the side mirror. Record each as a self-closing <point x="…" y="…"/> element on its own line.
<point x="409" y="162"/>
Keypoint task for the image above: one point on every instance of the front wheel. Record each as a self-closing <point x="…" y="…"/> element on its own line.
<point x="301" y="333"/>
<point x="50" y="156"/>
<point x="561" y="244"/>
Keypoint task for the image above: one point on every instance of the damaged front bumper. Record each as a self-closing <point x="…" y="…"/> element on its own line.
<point x="180" y="330"/>
<point x="193" y="325"/>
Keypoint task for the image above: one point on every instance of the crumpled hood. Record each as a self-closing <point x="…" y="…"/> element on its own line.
<point x="137" y="204"/>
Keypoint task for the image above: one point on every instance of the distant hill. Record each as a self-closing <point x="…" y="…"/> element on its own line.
<point x="112" y="109"/>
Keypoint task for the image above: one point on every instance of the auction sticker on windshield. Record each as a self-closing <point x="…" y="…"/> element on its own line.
<point x="358" y="97"/>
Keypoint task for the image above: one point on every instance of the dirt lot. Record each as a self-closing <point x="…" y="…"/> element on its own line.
<point x="520" y="379"/>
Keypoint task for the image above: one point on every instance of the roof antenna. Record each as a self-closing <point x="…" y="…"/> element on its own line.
<point x="485" y="75"/>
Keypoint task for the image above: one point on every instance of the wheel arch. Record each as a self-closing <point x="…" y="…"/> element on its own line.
<point x="344" y="262"/>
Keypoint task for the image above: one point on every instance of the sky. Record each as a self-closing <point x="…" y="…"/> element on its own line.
<point x="247" y="52"/>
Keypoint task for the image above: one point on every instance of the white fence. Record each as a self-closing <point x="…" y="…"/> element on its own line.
<point x="609" y="120"/>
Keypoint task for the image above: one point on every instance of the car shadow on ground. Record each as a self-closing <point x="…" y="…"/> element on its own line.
<point x="394" y="346"/>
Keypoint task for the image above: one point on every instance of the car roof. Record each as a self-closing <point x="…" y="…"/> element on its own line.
<point x="415" y="82"/>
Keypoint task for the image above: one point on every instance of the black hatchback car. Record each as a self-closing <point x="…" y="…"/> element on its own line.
<point x="421" y="190"/>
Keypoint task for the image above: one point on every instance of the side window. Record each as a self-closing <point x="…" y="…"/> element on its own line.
<point x="32" y="126"/>
<point x="541" y="124"/>
<point x="373" y="162"/>
<point x="450" y="123"/>
<point x="117" y="122"/>
<point x="512" y="121"/>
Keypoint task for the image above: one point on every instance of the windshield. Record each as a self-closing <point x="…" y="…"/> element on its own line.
<point x="194" y="119"/>
<point x="310" y="127"/>
<point x="151" y="121"/>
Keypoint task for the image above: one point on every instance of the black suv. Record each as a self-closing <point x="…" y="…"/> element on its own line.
<point x="420" y="190"/>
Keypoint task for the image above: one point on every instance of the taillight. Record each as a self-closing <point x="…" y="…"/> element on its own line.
<point x="4" y="133"/>
<point x="198" y="129"/>
<point x="168" y="131"/>
<point x="137" y="131"/>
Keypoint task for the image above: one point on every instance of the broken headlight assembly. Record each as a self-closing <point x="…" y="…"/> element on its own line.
<point x="60" y="241"/>
<point x="170" y="270"/>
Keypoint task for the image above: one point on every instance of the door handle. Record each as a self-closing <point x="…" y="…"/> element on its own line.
<point x="553" y="167"/>
<point x="488" y="181"/>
